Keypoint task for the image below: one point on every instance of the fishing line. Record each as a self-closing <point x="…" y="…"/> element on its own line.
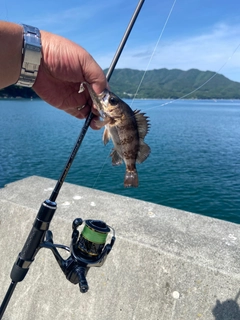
<point x="173" y="100"/>
<point x="214" y="75"/>
<point x="100" y="171"/>
<point x="154" y="50"/>
<point x="150" y="60"/>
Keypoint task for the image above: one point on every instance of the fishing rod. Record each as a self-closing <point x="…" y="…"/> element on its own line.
<point x="90" y="116"/>
<point x="87" y="248"/>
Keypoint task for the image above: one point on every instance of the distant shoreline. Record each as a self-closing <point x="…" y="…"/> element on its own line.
<point x="163" y="84"/>
<point x="19" y="98"/>
<point x="140" y="99"/>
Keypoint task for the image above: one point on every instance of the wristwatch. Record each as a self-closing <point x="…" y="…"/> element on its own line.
<point x="32" y="55"/>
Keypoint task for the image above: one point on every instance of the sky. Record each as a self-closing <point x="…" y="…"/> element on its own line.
<point x="182" y="34"/>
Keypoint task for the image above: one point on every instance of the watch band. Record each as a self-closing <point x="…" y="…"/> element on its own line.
<point x="32" y="55"/>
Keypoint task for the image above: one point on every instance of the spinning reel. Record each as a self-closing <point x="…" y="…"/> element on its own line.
<point x="87" y="250"/>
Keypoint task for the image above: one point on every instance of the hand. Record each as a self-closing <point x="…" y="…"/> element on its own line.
<point x="64" y="66"/>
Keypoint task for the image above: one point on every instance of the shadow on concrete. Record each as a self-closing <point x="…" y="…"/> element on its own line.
<point x="227" y="310"/>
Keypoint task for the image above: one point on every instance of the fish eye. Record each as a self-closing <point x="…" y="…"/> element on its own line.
<point x="113" y="101"/>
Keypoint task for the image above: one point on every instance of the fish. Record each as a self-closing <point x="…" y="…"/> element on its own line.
<point x="126" y="128"/>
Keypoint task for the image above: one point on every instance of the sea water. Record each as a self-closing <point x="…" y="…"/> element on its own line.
<point x="194" y="163"/>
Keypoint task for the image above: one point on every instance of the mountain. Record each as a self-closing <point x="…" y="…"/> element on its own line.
<point x="175" y="83"/>
<point x="158" y="84"/>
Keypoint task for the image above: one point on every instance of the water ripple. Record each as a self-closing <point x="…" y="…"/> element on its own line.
<point x="194" y="164"/>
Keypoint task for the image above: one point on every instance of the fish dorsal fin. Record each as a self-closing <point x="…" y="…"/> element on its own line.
<point x="144" y="151"/>
<point x="142" y="123"/>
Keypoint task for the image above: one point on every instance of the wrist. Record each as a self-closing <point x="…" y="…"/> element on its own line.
<point x="31" y="56"/>
<point x="10" y="53"/>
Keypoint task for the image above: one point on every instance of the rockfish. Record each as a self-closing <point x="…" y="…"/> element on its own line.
<point x="126" y="128"/>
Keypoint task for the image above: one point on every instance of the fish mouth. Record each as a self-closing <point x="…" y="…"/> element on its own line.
<point x="103" y="97"/>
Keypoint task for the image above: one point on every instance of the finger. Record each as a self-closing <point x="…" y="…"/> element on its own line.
<point x="78" y="112"/>
<point x="94" y="74"/>
<point x="95" y="111"/>
<point x="82" y="111"/>
<point x="93" y="123"/>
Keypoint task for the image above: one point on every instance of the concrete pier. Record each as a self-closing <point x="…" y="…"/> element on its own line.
<point x="166" y="264"/>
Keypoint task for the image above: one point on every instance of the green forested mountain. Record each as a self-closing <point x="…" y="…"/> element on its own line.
<point x="175" y="83"/>
<point x="158" y="84"/>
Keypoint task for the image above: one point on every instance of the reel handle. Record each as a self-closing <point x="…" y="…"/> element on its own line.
<point x="81" y="273"/>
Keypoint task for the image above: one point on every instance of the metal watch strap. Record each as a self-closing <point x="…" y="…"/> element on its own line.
<point x="31" y="52"/>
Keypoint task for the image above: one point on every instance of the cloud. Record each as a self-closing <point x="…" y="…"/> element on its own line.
<point x="216" y="50"/>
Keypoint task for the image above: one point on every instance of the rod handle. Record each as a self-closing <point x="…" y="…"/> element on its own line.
<point x="35" y="238"/>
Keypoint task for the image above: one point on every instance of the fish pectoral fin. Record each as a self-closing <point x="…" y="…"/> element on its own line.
<point x="131" y="179"/>
<point x="116" y="158"/>
<point x="143" y="153"/>
<point x="106" y="136"/>
<point x="142" y="123"/>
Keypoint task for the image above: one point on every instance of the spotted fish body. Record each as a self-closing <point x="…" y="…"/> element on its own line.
<point x="126" y="128"/>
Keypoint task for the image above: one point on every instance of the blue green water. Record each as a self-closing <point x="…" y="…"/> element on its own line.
<point x="194" y="164"/>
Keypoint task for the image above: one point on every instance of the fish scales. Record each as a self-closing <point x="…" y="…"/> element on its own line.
<point x="127" y="130"/>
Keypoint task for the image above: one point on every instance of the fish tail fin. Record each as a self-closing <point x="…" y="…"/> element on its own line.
<point x="131" y="179"/>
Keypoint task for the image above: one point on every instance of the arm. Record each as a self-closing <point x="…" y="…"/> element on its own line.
<point x="64" y="65"/>
<point x="10" y="53"/>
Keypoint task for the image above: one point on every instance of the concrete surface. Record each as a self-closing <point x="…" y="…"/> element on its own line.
<point x="166" y="264"/>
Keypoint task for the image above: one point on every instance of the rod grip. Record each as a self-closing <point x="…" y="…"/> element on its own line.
<point x="34" y="239"/>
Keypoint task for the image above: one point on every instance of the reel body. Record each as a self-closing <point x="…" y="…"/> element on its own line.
<point x="88" y="249"/>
